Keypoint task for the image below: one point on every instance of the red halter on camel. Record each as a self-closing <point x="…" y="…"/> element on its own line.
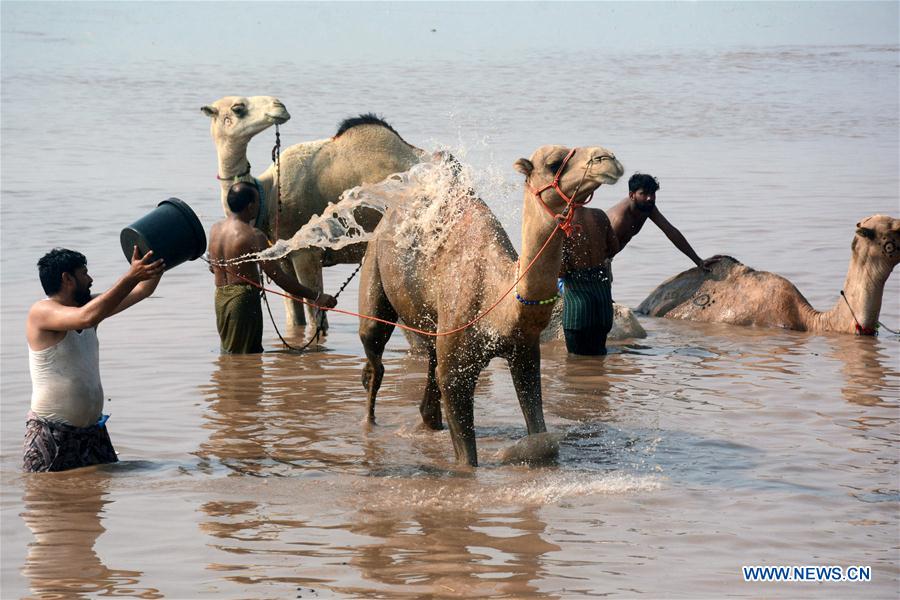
<point x="564" y="220"/>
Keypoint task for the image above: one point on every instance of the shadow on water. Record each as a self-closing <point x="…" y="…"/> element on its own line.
<point x="868" y="365"/>
<point x="64" y="513"/>
<point x="405" y="548"/>
<point x="453" y="553"/>
<point x="589" y="394"/>
<point x="265" y="418"/>
<point x="869" y="375"/>
<point x="280" y="414"/>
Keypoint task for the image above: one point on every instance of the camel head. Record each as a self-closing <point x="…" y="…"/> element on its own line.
<point x="578" y="175"/>
<point x="236" y="119"/>
<point x="877" y="242"/>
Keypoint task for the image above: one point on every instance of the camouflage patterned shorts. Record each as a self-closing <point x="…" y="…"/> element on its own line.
<point x="59" y="447"/>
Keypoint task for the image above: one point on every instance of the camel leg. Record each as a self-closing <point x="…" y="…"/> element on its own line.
<point x="430" y="408"/>
<point x="457" y="375"/>
<point x="374" y="335"/>
<point x="293" y="310"/>
<point x="308" y="268"/>
<point x="525" y="368"/>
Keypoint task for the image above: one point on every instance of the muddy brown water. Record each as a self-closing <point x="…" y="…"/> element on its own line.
<point x="684" y="455"/>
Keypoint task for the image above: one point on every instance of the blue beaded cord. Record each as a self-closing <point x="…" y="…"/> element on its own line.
<point x="550" y="300"/>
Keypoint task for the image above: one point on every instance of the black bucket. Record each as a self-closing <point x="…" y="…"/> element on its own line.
<point x="171" y="230"/>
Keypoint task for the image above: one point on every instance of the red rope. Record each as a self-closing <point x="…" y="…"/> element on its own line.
<point x="407" y="327"/>
<point x="564" y="221"/>
<point x="860" y="329"/>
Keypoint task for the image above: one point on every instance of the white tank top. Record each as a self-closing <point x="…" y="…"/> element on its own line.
<point x="65" y="380"/>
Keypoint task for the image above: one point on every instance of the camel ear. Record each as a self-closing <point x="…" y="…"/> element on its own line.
<point x="209" y="110"/>
<point x="865" y="232"/>
<point x="523" y="166"/>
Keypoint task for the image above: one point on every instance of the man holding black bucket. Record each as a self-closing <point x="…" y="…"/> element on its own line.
<point x="238" y="309"/>
<point x="66" y="428"/>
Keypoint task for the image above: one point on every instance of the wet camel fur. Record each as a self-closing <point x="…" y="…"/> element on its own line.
<point x="473" y="267"/>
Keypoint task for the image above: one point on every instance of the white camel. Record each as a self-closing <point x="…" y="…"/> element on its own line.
<point x="365" y="149"/>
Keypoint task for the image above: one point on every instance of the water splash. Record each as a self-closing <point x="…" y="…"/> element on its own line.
<point x="433" y="195"/>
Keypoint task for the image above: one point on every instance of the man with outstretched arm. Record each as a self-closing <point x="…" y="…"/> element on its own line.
<point x="238" y="309"/>
<point x="66" y="428"/>
<point x="628" y="217"/>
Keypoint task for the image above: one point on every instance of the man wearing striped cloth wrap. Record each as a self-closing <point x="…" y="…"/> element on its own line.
<point x="66" y="428"/>
<point x="586" y="282"/>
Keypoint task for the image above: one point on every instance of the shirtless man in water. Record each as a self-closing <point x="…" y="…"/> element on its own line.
<point x="584" y="274"/>
<point x="238" y="309"/>
<point x="628" y="217"/>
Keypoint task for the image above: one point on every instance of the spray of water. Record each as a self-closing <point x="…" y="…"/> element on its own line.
<point x="432" y="195"/>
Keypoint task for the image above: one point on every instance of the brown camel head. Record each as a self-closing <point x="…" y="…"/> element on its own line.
<point x="877" y="241"/>
<point x="236" y="119"/>
<point x="578" y="175"/>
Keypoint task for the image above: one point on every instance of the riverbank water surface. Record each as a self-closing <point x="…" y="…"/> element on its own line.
<point x="684" y="456"/>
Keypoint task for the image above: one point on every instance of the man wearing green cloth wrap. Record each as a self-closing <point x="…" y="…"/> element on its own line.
<point x="584" y="275"/>
<point x="238" y="310"/>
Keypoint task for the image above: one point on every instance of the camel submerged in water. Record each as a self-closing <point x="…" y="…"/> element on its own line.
<point x="365" y="149"/>
<point x="736" y="294"/>
<point x="455" y="267"/>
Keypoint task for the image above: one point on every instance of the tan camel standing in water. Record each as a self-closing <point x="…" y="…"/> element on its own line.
<point x="365" y="149"/>
<point x="474" y="265"/>
<point x="734" y="293"/>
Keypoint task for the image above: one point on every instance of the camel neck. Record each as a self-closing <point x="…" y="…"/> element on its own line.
<point x="232" y="159"/>
<point x="863" y="291"/>
<point x="539" y="283"/>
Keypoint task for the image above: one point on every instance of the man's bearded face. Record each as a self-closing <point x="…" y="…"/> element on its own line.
<point x="645" y="202"/>
<point x="83" y="283"/>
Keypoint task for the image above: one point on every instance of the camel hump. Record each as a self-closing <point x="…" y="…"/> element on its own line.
<point x="364" y="119"/>
<point x="683" y="286"/>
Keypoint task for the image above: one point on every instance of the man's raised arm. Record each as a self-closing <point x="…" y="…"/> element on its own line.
<point x="53" y="316"/>
<point x="676" y="237"/>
